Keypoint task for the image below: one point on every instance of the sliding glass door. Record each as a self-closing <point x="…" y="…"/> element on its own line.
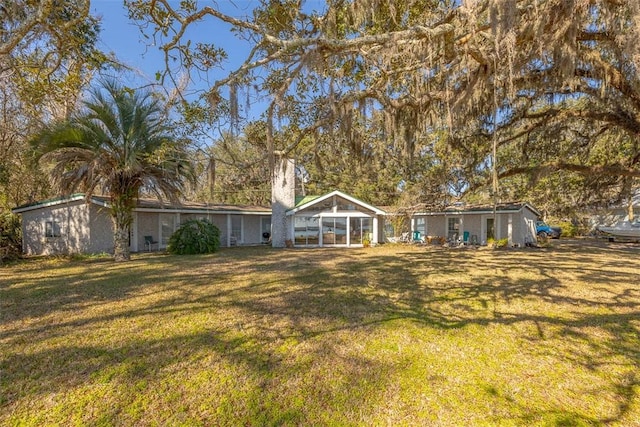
<point x="334" y="231"/>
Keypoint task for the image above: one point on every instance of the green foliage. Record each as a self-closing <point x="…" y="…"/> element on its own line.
<point x="10" y="236"/>
<point x="96" y="150"/>
<point x="568" y="228"/>
<point x="195" y="237"/>
<point x="497" y="244"/>
<point x="49" y="52"/>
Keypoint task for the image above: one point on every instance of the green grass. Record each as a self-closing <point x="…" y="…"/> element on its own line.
<point x="393" y="335"/>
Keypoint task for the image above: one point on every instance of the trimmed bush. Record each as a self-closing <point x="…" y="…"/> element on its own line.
<point x="195" y="237"/>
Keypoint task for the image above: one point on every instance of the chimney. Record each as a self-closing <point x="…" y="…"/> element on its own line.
<point x="283" y="198"/>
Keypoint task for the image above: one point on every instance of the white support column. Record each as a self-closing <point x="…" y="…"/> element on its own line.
<point x="134" y="232"/>
<point x="348" y="231"/>
<point x="510" y="230"/>
<point x="375" y="233"/>
<point x="228" y="230"/>
<point x="446" y="227"/>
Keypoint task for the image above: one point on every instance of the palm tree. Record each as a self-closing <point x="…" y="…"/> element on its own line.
<point x="119" y="144"/>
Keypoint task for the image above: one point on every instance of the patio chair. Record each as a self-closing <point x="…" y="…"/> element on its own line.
<point x="452" y="238"/>
<point x="149" y="242"/>
<point x="417" y="237"/>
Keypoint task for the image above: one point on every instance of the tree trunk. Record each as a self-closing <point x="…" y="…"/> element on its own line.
<point x="122" y="214"/>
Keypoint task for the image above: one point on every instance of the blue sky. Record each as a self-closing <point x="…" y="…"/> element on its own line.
<point x="122" y="37"/>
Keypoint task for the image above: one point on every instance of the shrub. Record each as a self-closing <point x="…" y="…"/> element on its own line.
<point x="10" y="236"/>
<point x="568" y="229"/>
<point x="493" y="243"/>
<point x="195" y="237"/>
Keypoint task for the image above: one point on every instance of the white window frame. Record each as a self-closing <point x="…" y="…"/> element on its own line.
<point x="53" y="234"/>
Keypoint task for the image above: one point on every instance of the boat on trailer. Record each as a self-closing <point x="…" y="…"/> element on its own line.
<point x="626" y="229"/>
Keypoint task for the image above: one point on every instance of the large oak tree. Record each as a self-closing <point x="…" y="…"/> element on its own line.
<point x="524" y="88"/>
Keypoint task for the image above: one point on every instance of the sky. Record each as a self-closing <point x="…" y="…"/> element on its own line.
<point x="122" y="37"/>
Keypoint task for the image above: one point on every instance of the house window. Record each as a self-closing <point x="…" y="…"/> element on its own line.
<point x="421" y="225"/>
<point x="307" y="231"/>
<point x="313" y="231"/>
<point x="300" y="230"/>
<point x="52" y="229"/>
<point x="343" y="205"/>
<point x="453" y="228"/>
<point x="167" y="227"/>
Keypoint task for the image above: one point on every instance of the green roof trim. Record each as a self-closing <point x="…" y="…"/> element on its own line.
<point x="48" y="202"/>
<point x="301" y="200"/>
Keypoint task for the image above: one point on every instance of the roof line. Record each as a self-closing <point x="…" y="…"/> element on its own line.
<point x="52" y="202"/>
<point x="352" y="199"/>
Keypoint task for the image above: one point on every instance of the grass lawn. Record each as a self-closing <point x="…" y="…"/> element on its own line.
<point x="393" y="335"/>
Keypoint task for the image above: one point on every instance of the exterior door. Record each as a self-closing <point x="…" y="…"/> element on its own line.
<point x="490" y="228"/>
<point x="265" y="229"/>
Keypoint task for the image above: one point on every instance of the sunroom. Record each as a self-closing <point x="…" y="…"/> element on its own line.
<point x="335" y="219"/>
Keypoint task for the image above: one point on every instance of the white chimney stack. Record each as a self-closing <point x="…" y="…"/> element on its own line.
<point x="283" y="198"/>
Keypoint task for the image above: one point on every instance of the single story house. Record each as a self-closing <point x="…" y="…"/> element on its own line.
<point x="478" y="224"/>
<point x="75" y="224"/>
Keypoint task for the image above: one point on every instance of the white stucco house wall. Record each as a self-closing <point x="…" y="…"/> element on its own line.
<point x="75" y="224"/>
<point x="513" y="221"/>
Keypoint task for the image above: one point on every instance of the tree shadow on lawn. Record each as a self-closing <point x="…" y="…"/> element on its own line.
<point x="185" y="381"/>
<point x="318" y="294"/>
<point x="388" y="288"/>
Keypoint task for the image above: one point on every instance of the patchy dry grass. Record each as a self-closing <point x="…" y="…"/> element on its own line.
<point x="394" y="335"/>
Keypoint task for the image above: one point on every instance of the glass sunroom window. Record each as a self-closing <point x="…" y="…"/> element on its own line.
<point x="300" y="230"/>
<point x="306" y="231"/>
<point x="313" y="231"/>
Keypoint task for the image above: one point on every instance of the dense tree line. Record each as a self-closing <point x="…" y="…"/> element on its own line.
<point x="48" y="55"/>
